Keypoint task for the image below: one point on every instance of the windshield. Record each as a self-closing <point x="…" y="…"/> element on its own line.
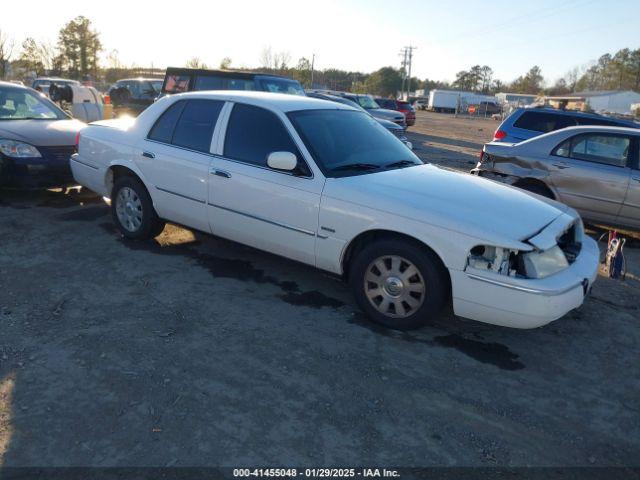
<point x="367" y="102"/>
<point x="21" y="104"/>
<point x="281" y="85"/>
<point x="346" y="142"/>
<point x="157" y="85"/>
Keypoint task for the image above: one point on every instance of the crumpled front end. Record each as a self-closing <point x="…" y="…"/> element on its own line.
<point x="528" y="288"/>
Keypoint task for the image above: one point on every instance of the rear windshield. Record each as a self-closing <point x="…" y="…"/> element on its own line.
<point x="385" y="103"/>
<point x="219" y="82"/>
<point x="281" y="85"/>
<point x="543" y="121"/>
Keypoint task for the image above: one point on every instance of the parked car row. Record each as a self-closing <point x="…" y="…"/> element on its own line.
<point x="399" y="106"/>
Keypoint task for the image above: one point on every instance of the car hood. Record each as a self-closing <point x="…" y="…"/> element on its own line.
<point x="456" y="201"/>
<point x="386" y="114"/>
<point x="44" y="133"/>
<point x="389" y="125"/>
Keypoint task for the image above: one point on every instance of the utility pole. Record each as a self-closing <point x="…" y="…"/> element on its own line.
<point x="313" y="61"/>
<point x="411" y="49"/>
<point x="403" y="65"/>
<point x="407" y="59"/>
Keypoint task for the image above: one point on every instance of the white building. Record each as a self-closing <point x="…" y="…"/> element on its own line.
<point x="609" y="101"/>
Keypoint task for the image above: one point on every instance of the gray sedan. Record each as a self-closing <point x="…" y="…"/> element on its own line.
<point x="592" y="169"/>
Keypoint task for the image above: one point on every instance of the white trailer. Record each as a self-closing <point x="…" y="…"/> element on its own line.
<point x="452" y="100"/>
<point x="444" y="100"/>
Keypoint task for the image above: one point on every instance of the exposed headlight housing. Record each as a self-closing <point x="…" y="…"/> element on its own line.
<point x="539" y="264"/>
<point x="513" y="263"/>
<point x="495" y="259"/>
<point x="15" y="149"/>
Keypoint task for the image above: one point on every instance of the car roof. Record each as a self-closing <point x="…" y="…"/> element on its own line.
<point x="139" y="79"/>
<point x="55" y="79"/>
<point x="276" y="101"/>
<point x="576" y="113"/>
<point x="227" y="73"/>
<point x="600" y="128"/>
<point x="14" y="85"/>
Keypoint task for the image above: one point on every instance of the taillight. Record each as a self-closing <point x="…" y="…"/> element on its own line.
<point x="499" y="135"/>
<point x="77" y="141"/>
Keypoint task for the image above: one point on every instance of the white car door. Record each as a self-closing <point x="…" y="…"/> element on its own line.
<point x="175" y="157"/>
<point x="249" y="202"/>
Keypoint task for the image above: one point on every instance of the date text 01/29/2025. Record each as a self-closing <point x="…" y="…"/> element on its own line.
<point x="316" y="472"/>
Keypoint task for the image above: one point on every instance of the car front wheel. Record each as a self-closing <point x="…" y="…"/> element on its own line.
<point x="399" y="284"/>
<point x="132" y="210"/>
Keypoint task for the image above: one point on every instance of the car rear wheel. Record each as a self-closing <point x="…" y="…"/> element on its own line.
<point x="398" y="284"/>
<point x="132" y="210"/>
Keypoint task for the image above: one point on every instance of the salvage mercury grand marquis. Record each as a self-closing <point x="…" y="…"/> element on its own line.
<point x="324" y="184"/>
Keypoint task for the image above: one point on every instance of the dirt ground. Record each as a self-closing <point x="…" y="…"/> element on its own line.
<point x="195" y="351"/>
<point x="453" y="142"/>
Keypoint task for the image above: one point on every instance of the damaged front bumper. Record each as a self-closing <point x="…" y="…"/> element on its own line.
<point x="525" y="302"/>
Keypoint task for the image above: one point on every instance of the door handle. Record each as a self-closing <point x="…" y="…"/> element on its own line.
<point x="561" y="165"/>
<point x="149" y="154"/>
<point x="221" y="173"/>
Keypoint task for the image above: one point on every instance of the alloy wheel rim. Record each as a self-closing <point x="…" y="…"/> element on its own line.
<point x="394" y="286"/>
<point x="129" y="209"/>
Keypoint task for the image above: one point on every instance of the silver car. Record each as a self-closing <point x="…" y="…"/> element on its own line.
<point x="369" y="104"/>
<point x="594" y="169"/>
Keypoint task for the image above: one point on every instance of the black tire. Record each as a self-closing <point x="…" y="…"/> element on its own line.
<point x="150" y="225"/>
<point x="537" y="188"/>
<point x="433" y="274"/>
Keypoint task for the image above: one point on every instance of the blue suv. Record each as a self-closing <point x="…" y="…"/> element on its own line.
<point x="526" y="123"/>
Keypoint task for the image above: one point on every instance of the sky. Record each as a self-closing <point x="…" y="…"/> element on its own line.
<point x="358" y="35"/>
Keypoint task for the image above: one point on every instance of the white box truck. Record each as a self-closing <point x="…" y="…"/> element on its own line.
<point x="444" y="100"/>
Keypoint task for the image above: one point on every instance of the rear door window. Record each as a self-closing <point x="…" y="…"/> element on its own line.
<point x="162" y="131"/>
<point x="543" y="122"/>
<point x="601" y="148"/>
<point x="194" y="129"/>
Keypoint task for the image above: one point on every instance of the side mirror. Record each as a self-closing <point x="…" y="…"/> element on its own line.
<point x="282" y="161"/>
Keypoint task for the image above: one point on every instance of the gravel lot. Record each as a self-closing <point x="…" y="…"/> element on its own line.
<point x="195" y="351"/>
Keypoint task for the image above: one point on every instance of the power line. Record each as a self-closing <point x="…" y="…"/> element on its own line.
<point x="533" y="16"/>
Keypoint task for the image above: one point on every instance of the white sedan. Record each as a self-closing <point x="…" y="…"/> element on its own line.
<point x="327" y="185"/>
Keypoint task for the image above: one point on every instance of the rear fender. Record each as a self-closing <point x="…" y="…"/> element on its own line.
<point x="133" y="168"/>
